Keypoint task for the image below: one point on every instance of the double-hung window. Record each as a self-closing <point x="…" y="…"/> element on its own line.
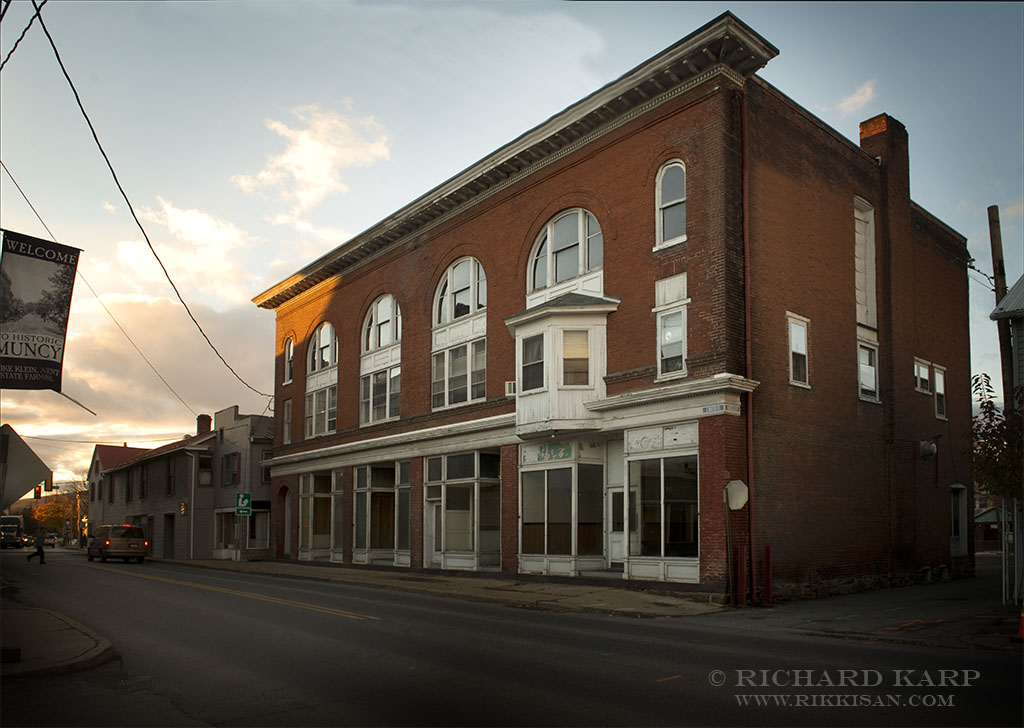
<point x="670" y="309"/>
<point x="922" y="376"/>
<point x="940" y="392"/>
<point x="380" y="395"/>
<point x="575" y="358"/>
<point x="671" y="204"/>
<point x="532" y="376"/>
<point x="322" y="411"/>
<point x="289" y="360"/>
<point x="459" y="374"/>
<point x="798" y="362"/>
<point x="867" y="357"/>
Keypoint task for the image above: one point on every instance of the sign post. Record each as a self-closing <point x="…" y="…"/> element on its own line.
<point x="243" y="507"/>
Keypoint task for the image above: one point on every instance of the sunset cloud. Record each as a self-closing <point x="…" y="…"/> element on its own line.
<point x="318" y="148"/>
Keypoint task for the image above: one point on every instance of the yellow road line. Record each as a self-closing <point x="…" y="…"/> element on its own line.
<point x="235" y="592"/>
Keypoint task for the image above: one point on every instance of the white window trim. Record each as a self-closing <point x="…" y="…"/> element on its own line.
<point x="937" y="372"/>
<point x="803" y="321"/>
<point x="876" y="398"/>
<point x="660" y="243"/>
<point x="286" y="422"/>
<point x="919" y="363"/>
<point x="585" y="268"/>
<point x="590" y="358"/>
<point x="387" y="396"/>
<point x="520" y="350"/>
<point x="310" y="432"/>
<point x="867" y="313"/>
<point x="476" y="276"/>
<point x="370" y="320"/>
<point x="289" y="361"/>
<point x="314" y="347"/>
<point x="470" y="399"/>
<point x="670" y="297"/>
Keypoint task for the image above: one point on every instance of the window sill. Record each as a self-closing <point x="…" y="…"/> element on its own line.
<point x="870" y="400"/>
<point x="457" y="405"/>
<point x="670" y="376"/>
<point x="379" y="422"/>
<point x="800" y="385"/>
<point x="668" y="244"/>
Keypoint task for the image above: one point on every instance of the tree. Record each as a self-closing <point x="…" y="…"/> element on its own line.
<point x="997" y="442"/>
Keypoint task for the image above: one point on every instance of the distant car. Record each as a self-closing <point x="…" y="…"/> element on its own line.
<point x="50" y="540"/>
<point x="126" y="542"/>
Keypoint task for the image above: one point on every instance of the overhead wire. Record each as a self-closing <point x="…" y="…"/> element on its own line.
<point x="131" y="209"/>
<point x="96" y="295"/>
<point x="31" y="20"/>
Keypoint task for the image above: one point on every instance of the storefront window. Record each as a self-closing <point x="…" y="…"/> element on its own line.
<point x="668" y="524"/>
<point x="547" y="502"/>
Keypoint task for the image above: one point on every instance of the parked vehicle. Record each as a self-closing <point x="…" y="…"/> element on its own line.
<point x="12" y="531"/>
<point x="50" y="540"/>
<point x="126" y="542"/>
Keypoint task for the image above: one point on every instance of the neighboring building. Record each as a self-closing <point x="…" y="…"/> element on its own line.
<point x="1011" y="307"/>
<point x="184" y="494"/>
<point x="556" y="361"/>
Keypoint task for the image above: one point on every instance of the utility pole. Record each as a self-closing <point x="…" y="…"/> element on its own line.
<point x="1003" y="324"/>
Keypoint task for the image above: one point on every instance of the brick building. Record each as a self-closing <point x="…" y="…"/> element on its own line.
<point x="184" y="493"/>
<point x="555" y="362"/>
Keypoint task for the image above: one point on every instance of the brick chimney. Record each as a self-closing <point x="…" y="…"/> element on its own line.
<point x="203" y="424"/>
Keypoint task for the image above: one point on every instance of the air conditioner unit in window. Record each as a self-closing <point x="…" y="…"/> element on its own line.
<point x="510" y="389"/>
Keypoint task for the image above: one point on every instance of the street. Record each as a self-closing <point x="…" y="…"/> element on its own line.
<point x="204" y="647"/>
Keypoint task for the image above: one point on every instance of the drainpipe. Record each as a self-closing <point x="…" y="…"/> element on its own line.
<point x="749" y="369"/>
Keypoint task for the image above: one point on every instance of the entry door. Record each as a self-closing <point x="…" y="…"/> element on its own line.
<point x="432" y="533"/>
<point x="618" y="543"/>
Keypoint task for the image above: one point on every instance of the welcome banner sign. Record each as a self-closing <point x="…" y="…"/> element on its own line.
<point x="36" y="281"/>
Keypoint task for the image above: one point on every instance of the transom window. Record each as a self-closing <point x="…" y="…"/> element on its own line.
<point x="570" y="245"/>
<point x="671" y="194"/>
<point x="383" y="324"/>
<point x="323" y="348"/>
<point x="462" y="292"/>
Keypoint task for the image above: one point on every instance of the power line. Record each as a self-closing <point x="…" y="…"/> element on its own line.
<point x="31" y="20"/>
<point x="97" y="296"/>
<point x="113" y="174"/>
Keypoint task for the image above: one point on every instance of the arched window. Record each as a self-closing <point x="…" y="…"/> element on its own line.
<point x="289" y="360"/>
<point x="380" y="383"/>
<point x="323" y="348"/>
<point x="671" y="202"/>
<point x="570" y="245"/>
<point x="462" y="292"/>
<point x="383" y="324"/>
<point x="458" y="366"/>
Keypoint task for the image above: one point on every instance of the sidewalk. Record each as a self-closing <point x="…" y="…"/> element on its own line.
<point x="962" y="614"/>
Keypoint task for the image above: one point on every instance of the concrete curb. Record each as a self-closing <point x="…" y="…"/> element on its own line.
<point x="96" y="650"/>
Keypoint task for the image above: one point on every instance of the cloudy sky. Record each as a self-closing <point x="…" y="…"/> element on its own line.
<point x="252" y="137"/>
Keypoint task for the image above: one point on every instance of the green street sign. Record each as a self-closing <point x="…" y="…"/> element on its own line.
<point x="243" y="504"/>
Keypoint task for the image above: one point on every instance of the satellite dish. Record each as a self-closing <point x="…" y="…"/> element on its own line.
<point x="736" y="494"/>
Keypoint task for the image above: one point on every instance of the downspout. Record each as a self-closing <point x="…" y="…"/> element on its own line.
<point x="749" y="368"/>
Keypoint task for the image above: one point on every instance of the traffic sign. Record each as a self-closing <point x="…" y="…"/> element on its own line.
<point x="243" y="504"/>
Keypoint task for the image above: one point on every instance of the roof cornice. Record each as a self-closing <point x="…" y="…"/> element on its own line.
<point x="725" y="46"/>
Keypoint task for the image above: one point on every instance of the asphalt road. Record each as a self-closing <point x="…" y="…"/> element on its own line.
<point x="199" y="647"/>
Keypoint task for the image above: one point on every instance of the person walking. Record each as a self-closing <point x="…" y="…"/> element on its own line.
<point x="39" y="543"/>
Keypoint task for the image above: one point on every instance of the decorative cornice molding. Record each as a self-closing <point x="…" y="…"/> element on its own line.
<point x="683" y="390"/>
<point x="726" y="47"/>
